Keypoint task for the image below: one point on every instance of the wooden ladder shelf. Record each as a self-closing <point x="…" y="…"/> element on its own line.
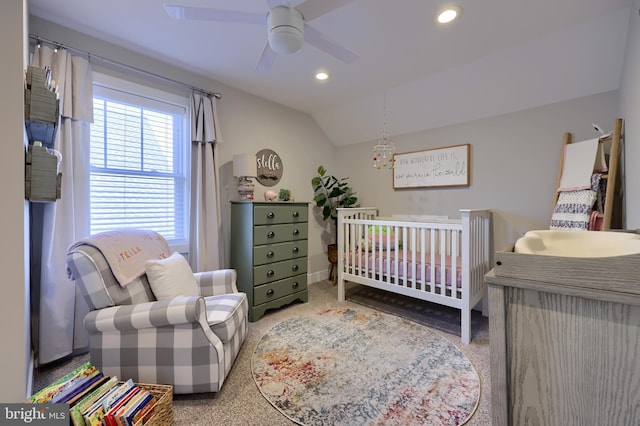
<point x="611" y="215"/>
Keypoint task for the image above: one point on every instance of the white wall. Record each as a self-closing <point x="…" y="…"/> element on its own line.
<point x="250" y="124"/>
<point x="14" y="310"/>
<point x="514" y="165"/>
<point x="630" y="107"/>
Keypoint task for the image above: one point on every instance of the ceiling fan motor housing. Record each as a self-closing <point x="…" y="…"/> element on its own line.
<point x="286" y="27"/>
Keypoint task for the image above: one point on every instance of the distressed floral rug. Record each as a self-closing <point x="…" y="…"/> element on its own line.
<point x="357" y="367"/>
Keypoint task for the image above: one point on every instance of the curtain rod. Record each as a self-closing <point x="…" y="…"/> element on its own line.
<point x="89" y="55"/>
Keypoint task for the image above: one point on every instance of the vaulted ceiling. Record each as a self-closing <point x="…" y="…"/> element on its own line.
<point x="498" y="57"/>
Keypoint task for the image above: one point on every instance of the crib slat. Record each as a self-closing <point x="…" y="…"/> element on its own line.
<point x="442" y="264"/>
<point x="454" y="264"/>
<point x="423" y="263"/>
<point x="361" y="249"/>
<point x="408" y="249"/>
<point x="355" y="230"/>
<point x="432" y="261"/>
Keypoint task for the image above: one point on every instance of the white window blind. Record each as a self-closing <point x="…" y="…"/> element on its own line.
<point x="139" y="176"/>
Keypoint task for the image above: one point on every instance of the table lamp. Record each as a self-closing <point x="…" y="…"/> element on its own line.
<point x="244" y="168"/>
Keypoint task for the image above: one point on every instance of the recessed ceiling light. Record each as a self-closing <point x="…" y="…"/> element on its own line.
<point x="449" y="14"/>
<point x="322" y="76"/>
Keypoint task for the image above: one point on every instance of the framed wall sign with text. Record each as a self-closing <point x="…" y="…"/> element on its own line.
<point x="269" y="167"/>
<point x="447" y="166"/>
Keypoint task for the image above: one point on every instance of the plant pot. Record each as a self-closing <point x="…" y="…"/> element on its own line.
<point x="332" y="253"/>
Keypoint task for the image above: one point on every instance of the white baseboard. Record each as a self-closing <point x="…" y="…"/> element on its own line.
<point x="313" y="277"/>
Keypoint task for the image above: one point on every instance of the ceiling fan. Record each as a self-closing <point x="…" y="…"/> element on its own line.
<point x="287" y="26"/>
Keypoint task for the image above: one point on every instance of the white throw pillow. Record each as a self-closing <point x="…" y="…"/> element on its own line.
<point x="171" y="277"/>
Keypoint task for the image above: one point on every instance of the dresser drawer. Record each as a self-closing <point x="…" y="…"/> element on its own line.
<point x="268" y="292"/>
<point x="276" y="252"/>
<point x="279" y="270"/>
<point x="280" y="213"/>
<point x="270" y="234"/>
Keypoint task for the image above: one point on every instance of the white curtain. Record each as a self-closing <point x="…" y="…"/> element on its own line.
<point x="61" y="308"/>
<point x="206" y="239"/>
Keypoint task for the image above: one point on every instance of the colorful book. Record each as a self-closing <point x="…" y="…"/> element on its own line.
<point x="119" y="415"/>
<point x="101" y="379"/>
<point x="89" y="408"/>
<point x="145" y="413"/>
<point x="45" y="394"/>
<point x="77" y="410"/>
<point x="95" y="413"/>
<point x="110" y="416"/>
<point x="71" y="384"/>
<point x="77" y="386"/>
<point x="94" y="417"/>
<point x="143" y="399"/>
<point x="112" y="399"/>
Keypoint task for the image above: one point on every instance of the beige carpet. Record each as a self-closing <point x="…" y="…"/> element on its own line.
<point x="240" y="403"/>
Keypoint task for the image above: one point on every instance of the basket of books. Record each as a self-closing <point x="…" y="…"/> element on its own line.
<point x="163" y="411"/>
<point x="95" y="399"/>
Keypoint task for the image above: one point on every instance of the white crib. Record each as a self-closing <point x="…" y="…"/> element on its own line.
<point x="436" y="259"/>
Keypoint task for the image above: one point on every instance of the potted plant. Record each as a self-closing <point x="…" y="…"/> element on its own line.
<point x="330" y="193"/>
<point x="284" y="195"/>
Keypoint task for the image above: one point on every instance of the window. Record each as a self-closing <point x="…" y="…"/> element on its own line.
<point x="139" y="172"/>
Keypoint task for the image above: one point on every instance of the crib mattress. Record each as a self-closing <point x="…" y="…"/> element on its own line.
<point x="371" y="262"/>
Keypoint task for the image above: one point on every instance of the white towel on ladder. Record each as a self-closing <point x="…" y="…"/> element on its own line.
<point x="578" y="165"/>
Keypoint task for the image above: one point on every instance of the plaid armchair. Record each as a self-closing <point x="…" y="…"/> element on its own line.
<point x="188" y="342"/>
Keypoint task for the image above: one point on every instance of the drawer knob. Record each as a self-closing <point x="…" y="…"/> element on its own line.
<point x="296" y="214"/>
<point x="296" y="285"/>
<point x="296" y="232"/>
<point x="270" y="254"/>
<point x="270" y="292"/>
<point x="271" y="215"/>
<point x="271" y="234"/>
<point x="270" y="273"/>
<point x="294" y="268"/>
<point x="295" y="250"/>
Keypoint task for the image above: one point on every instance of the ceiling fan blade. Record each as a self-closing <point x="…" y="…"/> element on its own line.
<point x="312" y="9"/>
<point x="319" y="40"/>
<point x="267" y="58"/>
<point x="276" y="3"/>
<point x="219" y="15"/>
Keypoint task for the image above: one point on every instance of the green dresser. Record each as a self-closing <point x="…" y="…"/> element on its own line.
<point x="269" y="253"/>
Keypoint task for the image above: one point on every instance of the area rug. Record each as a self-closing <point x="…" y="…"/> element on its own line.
<point x="443" y="318"/>
<point x="362" y="367"/>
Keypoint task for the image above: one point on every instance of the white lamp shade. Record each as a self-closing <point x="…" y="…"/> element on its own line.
<point x="244" y="165"/>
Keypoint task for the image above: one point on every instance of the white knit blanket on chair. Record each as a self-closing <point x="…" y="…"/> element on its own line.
<point x="127" y="251"/>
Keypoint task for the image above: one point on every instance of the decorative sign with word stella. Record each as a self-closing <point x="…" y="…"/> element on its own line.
<point x="434" y="167"/>
<point x="269" y="167"/>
